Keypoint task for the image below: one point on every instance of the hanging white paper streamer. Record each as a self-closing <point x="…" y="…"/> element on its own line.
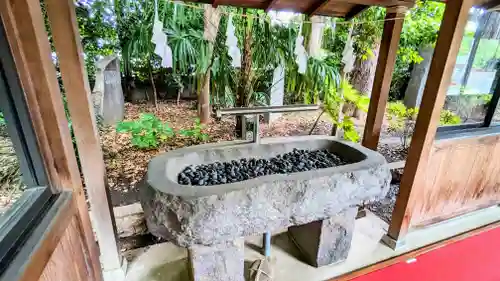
<point x="334" y="28"/>
<point x="316" y="37"/>
<point x="300" y="52"/>
<point x="348" y="54"/>
<point x="159" y="38"/>
<point x="232" y="43"/>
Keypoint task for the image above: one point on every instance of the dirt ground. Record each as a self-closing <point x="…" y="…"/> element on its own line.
<point x="126" y="165"/>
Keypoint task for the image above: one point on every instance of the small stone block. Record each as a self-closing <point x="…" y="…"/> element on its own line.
<point x="220" y="262"/>
<point x="328" y="241"/>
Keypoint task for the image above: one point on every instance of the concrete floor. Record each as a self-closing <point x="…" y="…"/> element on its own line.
<point x="167" y="262"/>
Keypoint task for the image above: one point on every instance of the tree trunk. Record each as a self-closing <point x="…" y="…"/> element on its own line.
<point x="155" y="96"/>
<point x="204" y="99"/>
<point x="362" y="77"/>
<point x="363" y="74"/>
<point x="211" y="26"/>
<point x="245" y="72"/>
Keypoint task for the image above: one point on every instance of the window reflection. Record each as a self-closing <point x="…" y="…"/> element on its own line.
<point x="11" y="184"/>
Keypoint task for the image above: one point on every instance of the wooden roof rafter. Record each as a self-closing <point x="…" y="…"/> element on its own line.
<point x="356" y="10"/>
<point x="270" y="5"/>
<point x="315" y="7"/>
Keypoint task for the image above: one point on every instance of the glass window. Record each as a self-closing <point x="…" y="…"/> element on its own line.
<point x="475" y="76"/>
<point x="23" y="183"/>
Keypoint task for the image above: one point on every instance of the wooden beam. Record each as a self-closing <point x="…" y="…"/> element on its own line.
<point x="441" y="69"/>
<point x="270" y="5"/>
<point x="67" y="43"/>
<point x="383" y="76"/>
<point x="215" y="3"/>
<point x="25" y="30"/>
<point x="356" y="10"/>
<point x="315" y="7"/>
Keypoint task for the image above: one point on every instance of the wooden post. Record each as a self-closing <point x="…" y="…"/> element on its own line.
<point x="70" y="53"/>
<point x="383" y="75"/>
<point x="441" y="69"/>
<point x="28" y="40"/>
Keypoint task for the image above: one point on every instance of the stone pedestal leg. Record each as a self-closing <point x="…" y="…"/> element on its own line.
<point x="328" y="241"/>
<point x="221" y="262"/>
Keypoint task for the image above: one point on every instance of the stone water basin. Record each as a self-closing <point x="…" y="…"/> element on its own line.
<point x="315" y="205"/>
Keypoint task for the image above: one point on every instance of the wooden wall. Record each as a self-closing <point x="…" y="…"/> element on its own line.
<point x="462" y="175"/>
<point x="67" y="262"/>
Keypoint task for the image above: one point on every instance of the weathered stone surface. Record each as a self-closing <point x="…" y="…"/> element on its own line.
<point x="216" y="214"/>
<point x="277" y="93"/>
<point x="221" y="262"/>
<point x="328" y="241"/>
<point x="107" y="94"/>
<point x="416" y="85"/>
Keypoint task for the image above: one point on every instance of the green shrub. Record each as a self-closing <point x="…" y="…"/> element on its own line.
<point x="401" y="121"/>
<point x="447" y="117"/>
<point x="196" y="133"/>
<point x="147" y="132"/>
<point x="334" y="99"/>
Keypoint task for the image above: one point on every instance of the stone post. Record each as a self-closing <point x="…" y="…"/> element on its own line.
<point x="220" y="262"/>
<point x="415" y="88"/>
<point x="108" y="93"/>
<point x="325" y="242"/>
<point x="277" y="93"/>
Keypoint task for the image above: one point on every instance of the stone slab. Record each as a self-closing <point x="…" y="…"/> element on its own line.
<point x="328" y="241"/>
<point x="220" y="262"/>
<point x="215" y="214"/>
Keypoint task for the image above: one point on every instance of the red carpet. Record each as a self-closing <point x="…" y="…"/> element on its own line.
<point x="473" y="259"/>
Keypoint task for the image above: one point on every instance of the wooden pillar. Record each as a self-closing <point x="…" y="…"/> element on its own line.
<point x="28" y="40"/>
<point x="66" y="37"/>
<point x="441" y="69"/>
<point x="383" y="75"/>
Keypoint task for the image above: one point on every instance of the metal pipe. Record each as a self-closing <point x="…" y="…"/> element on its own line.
<point x="256" y="129"/>
<point x="257" y="111"/>
<point x="267" y="109"/>
<point x="266" y="242"/>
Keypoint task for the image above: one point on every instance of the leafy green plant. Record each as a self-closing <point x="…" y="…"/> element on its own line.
<point x="147" y="132"/>
<point x="348" y="129"/>
<point x="401" y="122"/>
<point x="447" y="117"/>
<point x="334" y="101"/>
<point x="196" y="132"/>
<point x="466" y="104"/>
